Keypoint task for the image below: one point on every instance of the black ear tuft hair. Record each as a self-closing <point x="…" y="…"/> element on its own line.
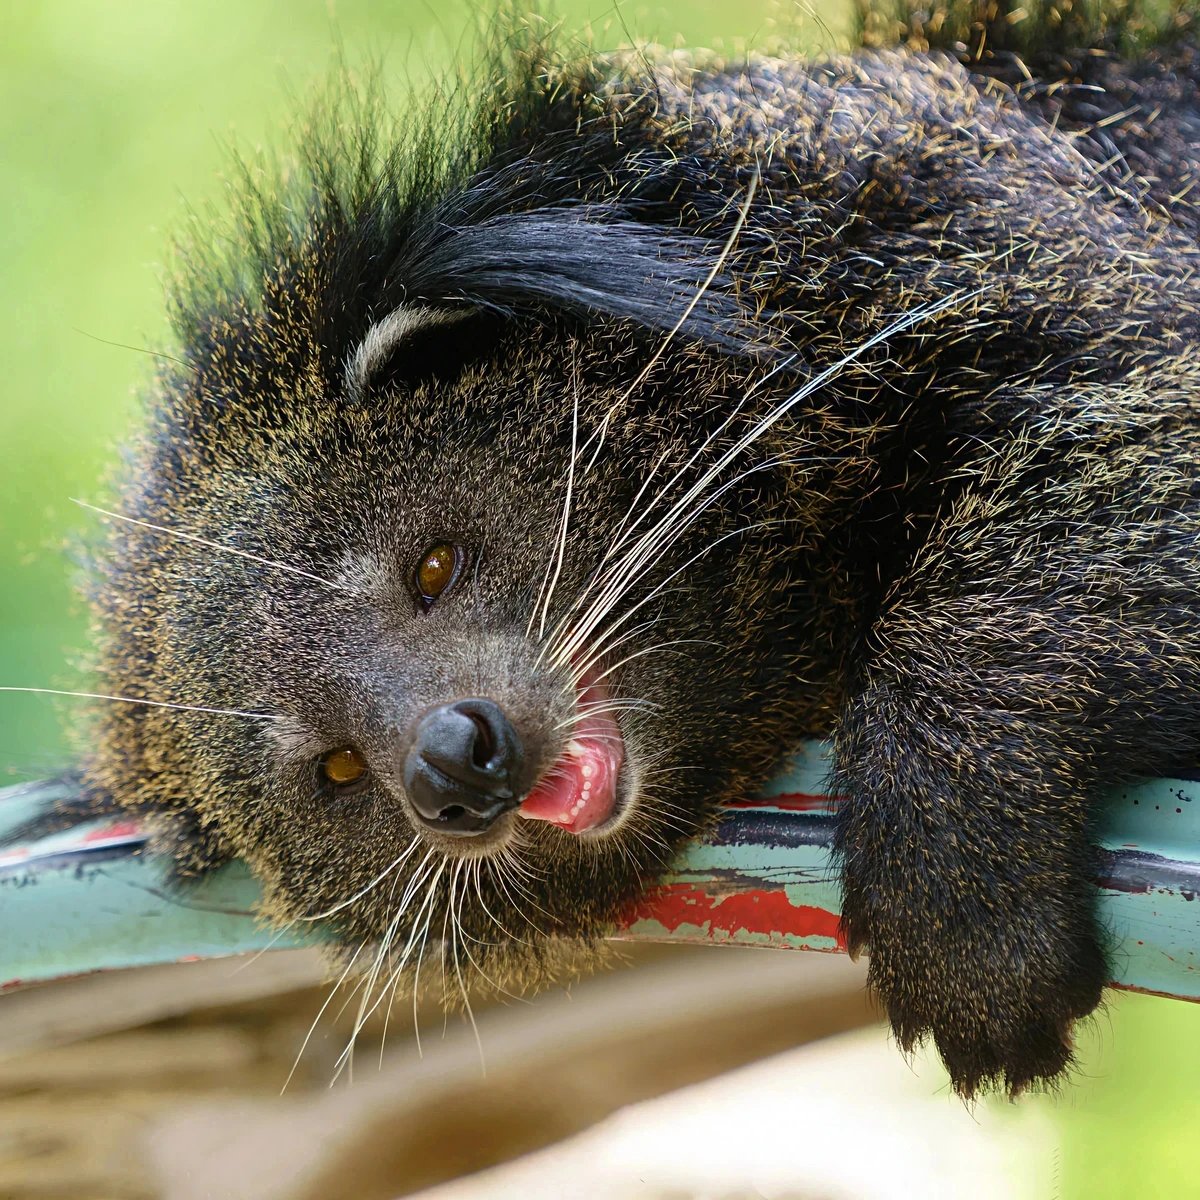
<point x="516" y="194"/>
<point x="585" y="260"/>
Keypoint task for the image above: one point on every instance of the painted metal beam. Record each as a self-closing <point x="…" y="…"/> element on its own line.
<point x="93" y="899"/>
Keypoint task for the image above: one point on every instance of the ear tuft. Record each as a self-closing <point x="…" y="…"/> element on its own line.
<point x="589" y="260"/>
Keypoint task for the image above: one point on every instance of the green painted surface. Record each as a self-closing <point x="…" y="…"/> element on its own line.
<point x="118" y="915"/>
<point x="81" y="902"/>
<point x="67" y="908"/>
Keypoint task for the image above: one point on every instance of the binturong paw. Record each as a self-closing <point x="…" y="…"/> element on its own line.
<point x="997" y="998"/>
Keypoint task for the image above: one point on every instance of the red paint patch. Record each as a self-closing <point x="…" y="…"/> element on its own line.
<point x="788" y="801"/>
<point x="758" y="911"/>
<point x="120" y="830"/>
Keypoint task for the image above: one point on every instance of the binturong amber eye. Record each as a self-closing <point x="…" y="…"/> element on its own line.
<point x="436" y="573"/>
<point x="344" y="767"/>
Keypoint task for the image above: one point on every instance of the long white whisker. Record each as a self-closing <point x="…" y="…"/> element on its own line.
<point x="726" y="250"/>
<point x="651" y="596"/>
<point x="654" y="544"/>
<point x="320" y="1014"/>
<point x="634" y="504"/>
<point x="443" y="943"/>
<point x="616" y="703"/>
<point x="904" y="322"/>
<point x="619" y="706"/>
<point x="655" y="650"/>
<point x="200" y="708"/>
<point x="506" y="873"/>
<point x="455" y="925"/>
<point x="362" y="979"/>
<point x="476" y="876"/>
<point x="387" y="1016"/>
<point x="650" y="547"/>
<point x="249" y="962"/>
<point x="427" y="903"/>
<point x="191" y="537"/>
<point x="372" y="978"/>
<point x="517" y="908"/>
<point x="625" y="530"/>
<point x="623" y="534"/>
<point x="562" y="541"/>
<point x="417" y="982"/>
<point x="520" y="872"/>
<point x="486" y="977"/>
<point x="391" y="994"/>
<point x="359" y="895"/>
<point x="668" y="523"/>
<point x="599" y="648"/>
<point x="411" y="888"/>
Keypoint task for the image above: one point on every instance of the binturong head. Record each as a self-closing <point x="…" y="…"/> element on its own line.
<point x="443" y="508"/>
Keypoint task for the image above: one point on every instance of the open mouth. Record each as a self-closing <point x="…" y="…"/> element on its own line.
<point x="579" y="792"/>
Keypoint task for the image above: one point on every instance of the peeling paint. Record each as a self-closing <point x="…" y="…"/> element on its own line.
<point x="688" y="911"/>
<point x="90" y="899"/>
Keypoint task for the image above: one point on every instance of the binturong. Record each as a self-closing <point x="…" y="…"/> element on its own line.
<point x="539" y="465"/>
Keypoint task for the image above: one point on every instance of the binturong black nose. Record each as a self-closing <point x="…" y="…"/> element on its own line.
<point x="462" y="770"/>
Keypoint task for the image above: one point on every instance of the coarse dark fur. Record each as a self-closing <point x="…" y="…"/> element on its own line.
<point x="969" y="550"/>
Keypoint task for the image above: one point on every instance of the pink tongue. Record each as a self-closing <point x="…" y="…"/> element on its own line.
<point x="580" y="791"/>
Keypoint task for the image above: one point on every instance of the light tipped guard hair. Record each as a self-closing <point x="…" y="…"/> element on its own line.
<point x="384" y="337"/>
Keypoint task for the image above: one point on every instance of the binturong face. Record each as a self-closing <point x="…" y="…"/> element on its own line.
<point x="491" y="671"/>
<point x="473" y="584"/>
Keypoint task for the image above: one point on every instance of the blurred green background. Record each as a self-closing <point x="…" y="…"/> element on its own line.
<point x="112" y="113"/>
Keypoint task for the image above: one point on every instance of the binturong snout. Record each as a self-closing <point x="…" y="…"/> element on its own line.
<point x="463" y="769"/>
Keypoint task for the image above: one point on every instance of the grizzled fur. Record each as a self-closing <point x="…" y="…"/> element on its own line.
<point x="971" y="554"/>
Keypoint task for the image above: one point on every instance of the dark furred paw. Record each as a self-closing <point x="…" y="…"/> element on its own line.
<point x="967" y="850"/>
<point x="998" y="1001"/>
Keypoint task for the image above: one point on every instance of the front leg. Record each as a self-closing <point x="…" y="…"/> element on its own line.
<point x="1044" y="646"/>
<point x="966" y="848"/>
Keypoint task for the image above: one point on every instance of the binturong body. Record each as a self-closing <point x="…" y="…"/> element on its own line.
<point x="533" y="480"/>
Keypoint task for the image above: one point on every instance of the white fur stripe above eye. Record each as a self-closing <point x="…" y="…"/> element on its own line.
<point x="385" y="336"/>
